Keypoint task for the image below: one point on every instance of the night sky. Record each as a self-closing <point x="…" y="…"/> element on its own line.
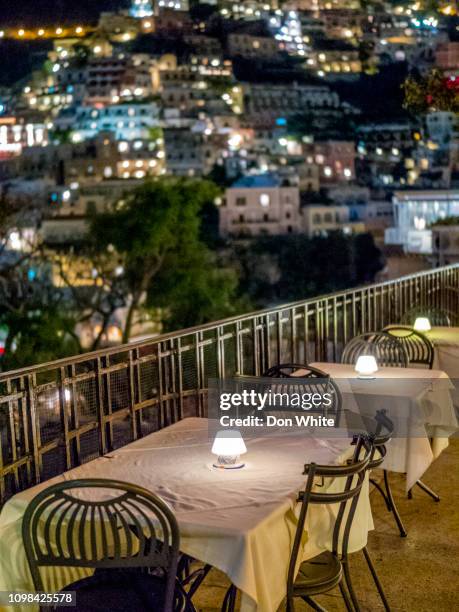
<point x="43" y="12"/>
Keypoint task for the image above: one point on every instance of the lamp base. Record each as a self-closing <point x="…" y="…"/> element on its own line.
<point x="234" y="466"/>
<point x="366" y="376"/>
<point x="229" y="462"/>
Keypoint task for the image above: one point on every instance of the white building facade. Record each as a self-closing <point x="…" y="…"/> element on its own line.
<point x="414" y="212"/>
<point x="260" y="205"/>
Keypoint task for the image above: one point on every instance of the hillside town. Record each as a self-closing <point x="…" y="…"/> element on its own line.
<point x="313" y="118"/>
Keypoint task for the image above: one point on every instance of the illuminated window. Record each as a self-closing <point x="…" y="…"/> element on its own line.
<point x="264" y="199"/>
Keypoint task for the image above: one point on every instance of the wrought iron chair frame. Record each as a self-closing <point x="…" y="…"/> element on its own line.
<point x="387" y="350"/>
<point x="278" y="371"/>
<point x="70" y="524"/>
<point x="419" y="348"/>
<point x="355" y="469"/>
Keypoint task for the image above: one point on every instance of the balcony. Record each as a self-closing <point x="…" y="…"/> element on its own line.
<point x="58" y="415"/>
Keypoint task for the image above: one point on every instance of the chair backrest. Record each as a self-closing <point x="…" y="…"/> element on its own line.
<point x="99" y="523"/>
<point x="352" y="476"/>
<point x="436" y="316"/>
<point x="317" y="382"/>
<point x="419" y="348"/>
<point x="290" y="370"/>
<point x="387" y="350"/>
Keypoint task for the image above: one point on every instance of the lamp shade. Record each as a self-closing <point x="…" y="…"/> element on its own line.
<point x="228" y="443"/>
<point x="366" y="365"/>
<point x="422" y="324"/>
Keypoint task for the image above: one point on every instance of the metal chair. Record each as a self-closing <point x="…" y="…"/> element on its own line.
<point x="122" y="530"/>
<point x="317" y="382"/>
<point x="381" y="436"/>
<point x="387" y="350"/>
<point x="419" y="348"/>
<point x="326" y="571"/>
<point x="380" y="429"/>
<point x="436" y="316"/>
<point x="289" y="370"/>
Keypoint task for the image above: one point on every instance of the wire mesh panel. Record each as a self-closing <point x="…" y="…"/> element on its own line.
<point x="229" y="348"/>
<point x="58" y="415"/>
<point x="285" y="335"/>
<point x="189" y="374"/>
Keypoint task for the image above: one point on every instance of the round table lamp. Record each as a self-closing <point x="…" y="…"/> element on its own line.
<point x="228" y="446"/>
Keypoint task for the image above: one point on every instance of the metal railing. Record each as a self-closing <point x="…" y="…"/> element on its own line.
<point x="57" y="415"/>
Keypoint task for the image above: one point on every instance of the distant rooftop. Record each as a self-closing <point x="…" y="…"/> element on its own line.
<point x="258" y="181"/>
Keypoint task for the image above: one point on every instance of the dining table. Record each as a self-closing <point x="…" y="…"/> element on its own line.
<point x="240" y="521"/>
<point x="419" y="402"/>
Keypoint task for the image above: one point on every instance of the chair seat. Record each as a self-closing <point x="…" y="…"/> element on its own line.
<point x="318" y="575"/>
<point x="119" y="591"/>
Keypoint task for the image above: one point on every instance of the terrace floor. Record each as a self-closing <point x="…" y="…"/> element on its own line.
<point x="419" y="573"/>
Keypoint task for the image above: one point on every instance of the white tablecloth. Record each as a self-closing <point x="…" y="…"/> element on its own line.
<point x="423" y="400"/>
<point x="446" y="342"/>
<point x="242" y="522"/>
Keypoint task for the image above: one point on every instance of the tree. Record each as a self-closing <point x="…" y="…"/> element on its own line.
<point x="155" y="231"/>
<point x="94" y="285"/>
<point x="368" y="259"/>
<point x="435" y="92"/>
<point x="297" y="267"/>
<point x="41" y="305"/>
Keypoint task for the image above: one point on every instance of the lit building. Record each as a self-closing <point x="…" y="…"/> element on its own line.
<point x="442" y="127"/>
<point x="264" y="102"/>
<point x="299" y="173"/>
<point x="73" y="165"/>
<point x="414" y="212"/>
<point x="249" y="10"/>
<point x="253" y="47"/>
<point x="385" y="153"/>
<point x="204" y="46"/>
<point x="187" y="90"/>
<point x="115" y="78"/>
<point x="120" y="27"/>
<point x="173" y="18"/>
<point x="66" y="219"/>
<point x="16" y="135"/>
<point x="447" y="57"/>
<point x="141" y="8"/>
<point x="344" y="23"/>
<point x="261" y="204"/>
<point x="333" y="57"/>
<point x="177" y="5"/>
<point x="125" y="121"/>
<point x="320" y="219"/>
<point x="286" y="26"/>
<point x="193" y="153"/>
<point x="335" y="158"/>
<point x="48" y="95"/>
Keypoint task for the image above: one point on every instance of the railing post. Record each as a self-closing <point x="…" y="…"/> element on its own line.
<point x="100" y="407"/>
<point x="34" y="426"/>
